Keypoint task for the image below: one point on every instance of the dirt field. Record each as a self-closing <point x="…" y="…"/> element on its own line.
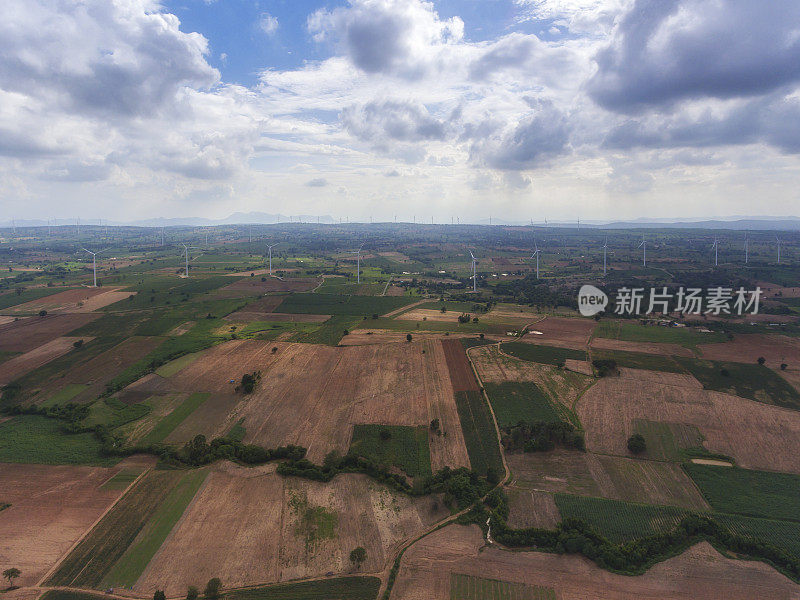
<point x="60" y="301"/>
<point x="429" y="314"/>
<point x="249" y="317"/>
<point x="97" y="302"/>
<point x="51" y="507"/>
<point x="30" y="333"/>
<point x="255" y="311"/>
<point x="614" y="477"/>
<point x="360" y="337"/>
<point x="532" y="508"/>
<point x="776" y="349"/>
<point x="758" y="436"/>
<point x="645" y="347"/>
<point x="19" y="365"/>
<point x="579" y="366"/>
<point x="700" y="573"/>
<point x="461" y="374"/>
<point x="247" y="526"/>
<point x="312" y="395"/>
<point x="249" y="286"/>
<point x="562" y="331"/>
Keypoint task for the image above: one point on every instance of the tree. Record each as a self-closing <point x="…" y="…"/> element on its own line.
<point x="358" y="556"/>
<point x="159" y="595"/>
<point x="192" y="593"/>
<point x="213" y="588"/>
<point x="783" y="366"/>
<point x="636" y="443"/>
<point x="11" y="574"/>
<point x="42" y="313"/>
<point x="77" y="343"/>
<point x="435" y="425"/>
<point x="761" y="360"/>
<point x="385" y="434"/>
<point x="408" y="337"/>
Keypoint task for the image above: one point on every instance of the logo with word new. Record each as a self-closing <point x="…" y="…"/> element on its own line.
<point x="591" y="300"/>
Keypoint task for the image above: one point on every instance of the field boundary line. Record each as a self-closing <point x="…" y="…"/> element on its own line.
<point x="55" y="567"/>
<point x="407" y="307"/>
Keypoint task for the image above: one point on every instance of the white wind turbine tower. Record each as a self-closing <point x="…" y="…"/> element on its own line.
<point x="269" y="249"/>
<point x="605" y="251"/>
<point x="778" y="241"/>
<point x="715" y="248"/>
<point x="536" y="254"/>
<point x="186" y="253"/>
<point x="358" y="262"/>
<point x="643" y="246"/>
<point x="94" y="263"/>
<point x="745" y="248"/>
<point x="474" y="273"/>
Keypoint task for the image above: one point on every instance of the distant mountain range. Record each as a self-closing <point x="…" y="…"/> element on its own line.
<point x="754" y="223"/>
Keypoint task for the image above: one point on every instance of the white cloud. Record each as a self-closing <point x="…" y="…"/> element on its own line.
<point x="268" y="24"/>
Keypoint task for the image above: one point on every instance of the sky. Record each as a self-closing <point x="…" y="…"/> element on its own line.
<point x="400" y="109"/>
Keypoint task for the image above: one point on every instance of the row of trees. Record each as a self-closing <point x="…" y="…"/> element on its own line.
<point x="541" y="436"/>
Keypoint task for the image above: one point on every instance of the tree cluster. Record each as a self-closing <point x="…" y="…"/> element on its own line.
<point x="541" y="436"/>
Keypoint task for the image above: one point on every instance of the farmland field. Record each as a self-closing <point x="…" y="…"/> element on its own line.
<point x="37" y="439"/>
<point x="10" y="299"/>
<point x="667" y="441"/>
<point x="548" y="355"/>
<point x="405" y="448"/>
<point x="513" y="402"/>
<point x="750" y="493"/>
<point x="752" y="381"/>
<point x="634" y="332"/>
<point x="171" y="421"/>
<point x="638" y="360"/>
<point x="334" y="304"/>
<point x="340" y="588"/>
<point x="480" y="435"/>
<point x="469" y="587"/>
<point x="92" y="559"/>
<point x="560" y="331"/>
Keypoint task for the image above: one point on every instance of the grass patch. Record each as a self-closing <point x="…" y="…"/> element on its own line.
<point x="112" y="413"/>
<point x="121" y="480"/>
<point x="37" y="439"/>
<point x="469" y="587"/>
<point x="667" y="441"/>
<point x="169" y="423"/>
<point x="69" y="595"/>
<point x="750" y="493"/>
<point x="12" y="298"/>
<point x="752" y="381"/>
<point x="237" y="431"/>
<point x="639" y="360"/>
<point x="630" y="331"/>
<point x="6" y="354"/>
<point x="65" y="394"/>
<point x="513" y="402"/>
<point x="330" y="332"/>
<point x="132" y="563"/>
<point x="617" y="520"/>
<point x="400" y="324"/>
<point x="314" y="523"/>
<point x="480" y="435"/>
<point x="339" y="588"/>
<point x="173" y="366"/>
<point x="96" y="554"/>
<point x="406" y="447"/>
<point x="548" y="355"/>
<point x="334" y="304"/>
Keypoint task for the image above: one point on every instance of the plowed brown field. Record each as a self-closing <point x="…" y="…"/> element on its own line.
<point x="19" y="365"/>
<point x="758" y="436"/>
<point x="246" y="526"/>
<point x="646" y="347"/>
<point x="700" y="573"/>
<point x="29" y="333"/>
<point x="562" y="331"/>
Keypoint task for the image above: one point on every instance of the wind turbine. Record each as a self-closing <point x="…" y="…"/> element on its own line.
<point x="474" y="273"/>
<point x="643" y="246"/>
<point x="745" y="248"/>
<point x="605" y="250"/>
<point x="358" y="262"/>
<point x="186" y="252"/>
<point x="715" y="248"/>
<point x="778" y="241"/>
<point x="269" y="249"/>
<point x="536" y="254"/>
<point x="94" y="263"/>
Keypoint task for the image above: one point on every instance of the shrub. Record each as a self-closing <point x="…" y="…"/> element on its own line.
<point x="636" y="443"/>
<point x="213" y="588"/>
<point x="761" y="360"/>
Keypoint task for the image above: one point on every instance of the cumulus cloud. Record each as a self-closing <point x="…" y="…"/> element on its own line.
<point x="399" y="37"/>
<point x="379" y="122"/>
<point x="317" y="182"/>
<point x="667" y="51"/>
<point x="539" y="137"/>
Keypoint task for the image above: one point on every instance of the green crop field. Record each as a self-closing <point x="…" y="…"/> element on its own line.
<point x="469" y="587"/>
<point x="338" y="588"/>
<point x="406" y="448"/>
<point x="667" y="441"/>
<point x="335" y="286"/>
<point x="330" y="332"/>
<point x="173" y="366"/>
<point x="398" y="323"/>
<point x="639" y="360"/>
<point x="168" y="424"/>
<point x="112" y="413"/>
<point x="617" y="520"/>
<point x="513" y="402"/>
<point x="480" y="435"/>
<point x="630" y="331"/>
<point x="751" y="493"/>
<point x="132" y="563"/>
<point x="6" y="354"/>
<point x="10" y="299"/>
<point x="169" y="291"/>
<point x="69" y="595"/>
<point x="122" y="480"/>
<point x="783" y="534"/>
<point x="37" y="439"/>
<point x="64" y="395"/>
<point x="548" y="355"/>
<point x="751" y="381"/>
<point x="89" y="562"/>
<point x="334" y="304"/>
